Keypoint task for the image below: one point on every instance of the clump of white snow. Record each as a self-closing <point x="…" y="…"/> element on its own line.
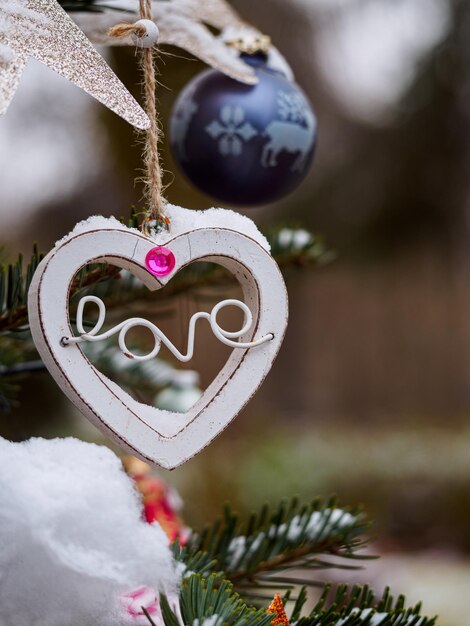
<point x="213" y="620"/>
<point x="297" y="239"/>
<point x="181" y="221"/>
<point x="320" y="524"/>
<point x="369" y="617"/>
<point x="72" y="536"/>
<point x="313" y="527"/>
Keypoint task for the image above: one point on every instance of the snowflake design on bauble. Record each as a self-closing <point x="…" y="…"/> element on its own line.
<point x="231" y="130"/>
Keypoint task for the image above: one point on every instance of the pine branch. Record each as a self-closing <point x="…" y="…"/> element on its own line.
<point x="290" y="247"/>
<point x="358" y="606"/>
<point x="210" y="599"/>
<point x="211" y="602"/>
<point x="14" y="286"/>
<point x="296" y="537"/>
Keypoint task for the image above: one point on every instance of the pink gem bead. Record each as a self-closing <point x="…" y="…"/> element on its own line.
<point x="160" y="261"/>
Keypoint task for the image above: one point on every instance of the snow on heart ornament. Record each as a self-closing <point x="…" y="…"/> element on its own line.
<point x="218" y="236"/>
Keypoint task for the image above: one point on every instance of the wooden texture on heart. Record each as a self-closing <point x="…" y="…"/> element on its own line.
<point x="161" y="437"/>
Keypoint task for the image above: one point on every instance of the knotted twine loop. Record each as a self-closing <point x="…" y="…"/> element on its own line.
<point x="155" y="217"/>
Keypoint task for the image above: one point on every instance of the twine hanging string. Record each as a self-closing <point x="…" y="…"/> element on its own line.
<point x="155" y="212"/>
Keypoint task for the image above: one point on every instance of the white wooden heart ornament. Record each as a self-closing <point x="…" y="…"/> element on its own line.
<point x="161" y="437"/>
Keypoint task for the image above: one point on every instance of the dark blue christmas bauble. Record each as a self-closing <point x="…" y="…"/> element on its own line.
<point x="242" y="144"/>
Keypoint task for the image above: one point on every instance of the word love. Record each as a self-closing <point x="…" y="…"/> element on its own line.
<point x="224" y="336"/>
<point x="158" y="436"/>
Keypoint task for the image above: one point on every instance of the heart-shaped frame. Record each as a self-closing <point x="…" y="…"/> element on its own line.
<point x="161" y="437"/>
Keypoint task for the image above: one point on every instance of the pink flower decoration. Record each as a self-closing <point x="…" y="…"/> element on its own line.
<point x="142" y="597"/>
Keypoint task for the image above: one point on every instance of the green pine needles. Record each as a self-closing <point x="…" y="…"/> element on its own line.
<point x="258" y="555"/>
<point x="232" y="570"/>
<point x="290" y="247"/>
<point x="14" y="285"/>
<point x="209" y="600"/>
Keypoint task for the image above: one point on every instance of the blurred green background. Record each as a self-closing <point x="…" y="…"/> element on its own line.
<point x="370" y="396"/>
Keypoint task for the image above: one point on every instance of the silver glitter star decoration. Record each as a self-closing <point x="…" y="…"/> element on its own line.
<point x="201" y="27"/>
<point x="42" y="30"/>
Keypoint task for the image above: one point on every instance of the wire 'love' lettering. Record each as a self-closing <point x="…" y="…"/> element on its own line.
<point x="224" y="336"/>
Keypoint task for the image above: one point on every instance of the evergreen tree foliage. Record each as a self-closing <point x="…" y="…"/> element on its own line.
<point x="232" y="569"/>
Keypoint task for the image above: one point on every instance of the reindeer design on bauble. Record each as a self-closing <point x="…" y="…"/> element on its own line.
<point x="294" y="132"/>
